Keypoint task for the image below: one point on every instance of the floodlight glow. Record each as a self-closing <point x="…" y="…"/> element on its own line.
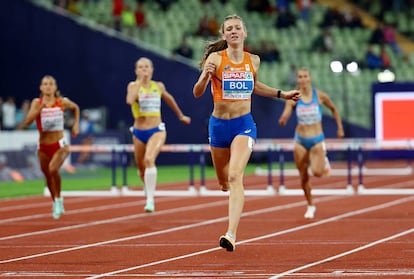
<point x="352" y="67"/>
<point x="336" y="66"/>
<point x="386" y="76"/>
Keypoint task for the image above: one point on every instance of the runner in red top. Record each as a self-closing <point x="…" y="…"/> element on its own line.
<point x="48" y="112"/>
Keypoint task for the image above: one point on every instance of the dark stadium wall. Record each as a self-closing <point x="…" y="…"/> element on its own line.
<point x="94" y="68"/>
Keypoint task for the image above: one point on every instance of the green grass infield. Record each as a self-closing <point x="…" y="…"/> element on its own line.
<point x="102" y="178"/>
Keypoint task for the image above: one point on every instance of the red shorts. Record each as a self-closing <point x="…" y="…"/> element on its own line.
<point x="50" y="149"/>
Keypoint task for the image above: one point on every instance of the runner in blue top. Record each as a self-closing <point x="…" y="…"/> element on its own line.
<point x="309" y="147"/>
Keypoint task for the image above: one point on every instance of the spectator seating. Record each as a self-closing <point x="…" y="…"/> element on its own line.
<point x="166" y="29"/>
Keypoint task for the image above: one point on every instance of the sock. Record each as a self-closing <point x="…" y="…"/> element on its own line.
<point x="150" y="181"/>
<point x="229" y="234"/>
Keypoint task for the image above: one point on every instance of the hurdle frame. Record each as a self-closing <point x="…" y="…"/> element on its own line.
<point x="264" y="145"/>
<point x="351" y="145"/>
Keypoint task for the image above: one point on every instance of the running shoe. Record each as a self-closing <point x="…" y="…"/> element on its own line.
<point x="149" y="207"/>
<point x="56" y="210"/>
<point x="310" y="212"/>
<point x="60" y="203"/>
<point x="227" y="242"/>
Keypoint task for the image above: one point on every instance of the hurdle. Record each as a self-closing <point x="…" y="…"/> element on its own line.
<point x="190" y="192"/>
<point x="282" y="146"/>
<point x="351" y="146"/>
<point x="113" y="191"/>
<point x="268" y="191"/>
<point x="263" y="145"/>
<point x="123" y="149"/>
<point x="383" y="145"/>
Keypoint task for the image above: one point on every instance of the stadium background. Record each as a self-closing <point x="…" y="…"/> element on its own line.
<point x="93" y="63"/>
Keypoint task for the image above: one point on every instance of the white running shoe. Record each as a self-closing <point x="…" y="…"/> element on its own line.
<point x="58" y="208"/>
<point x="149" y="207"/>
<point x="61" y="206"/>
<point x="310" y="212"/>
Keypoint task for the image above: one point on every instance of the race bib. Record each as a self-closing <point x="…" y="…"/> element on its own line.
<point x="237" y="85"/>
<point x="52" y="119"/>
<point x="149" y="102"/>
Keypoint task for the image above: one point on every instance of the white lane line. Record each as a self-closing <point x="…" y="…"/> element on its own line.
<point x="30" y="204"/>
<point x="112" y="220"/>
<point x="85" y="210"/>
<point x="75" y="211"/>
<point x="294" y="229"/>
<point x="182" y="209"/>
<point x="280" y="275"/>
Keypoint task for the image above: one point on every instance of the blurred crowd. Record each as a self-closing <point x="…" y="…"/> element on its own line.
<point x="126" y="17"/>
<point x="12" y="115"/>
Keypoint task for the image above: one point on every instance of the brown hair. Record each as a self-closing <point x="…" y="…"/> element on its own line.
<point x="219" y="44"/>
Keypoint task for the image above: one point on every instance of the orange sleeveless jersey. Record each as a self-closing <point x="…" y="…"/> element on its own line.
<point x="233" y="82"/>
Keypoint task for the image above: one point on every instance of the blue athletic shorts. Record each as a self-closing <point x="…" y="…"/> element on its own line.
<point x="308" y="143"/>
<point x="221" y="132"/>
<point x="144" y="135"/>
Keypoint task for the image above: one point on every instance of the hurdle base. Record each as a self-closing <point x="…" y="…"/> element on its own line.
<point x="294" y="172"/>
<point x="383" y="191"/>
<point x="269" y="191"/>
<point x="389" y="171"/>
<point x="349" y="190"/>
<point x="191" y="192"/>
<point x="113" y="192"/>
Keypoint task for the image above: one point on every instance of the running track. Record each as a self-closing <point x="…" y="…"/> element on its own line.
<point x="351" y="236"/>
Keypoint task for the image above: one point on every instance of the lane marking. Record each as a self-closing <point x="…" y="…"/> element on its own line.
<point x="294" y="229"/>
<point x="346" y="253"/>
<point x="94" y="209"/>
<point x="182" y="209"/>
<point x="31" y="205"/>
<point x="74" y="211"/>
<point x="112" y="220"/>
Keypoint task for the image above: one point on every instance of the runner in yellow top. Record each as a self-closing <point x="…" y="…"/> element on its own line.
<point x="149" y="133"/>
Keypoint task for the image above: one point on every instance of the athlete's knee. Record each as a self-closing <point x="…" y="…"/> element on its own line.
<point x="317" y="172"/>
<point x="149" y="162"/>
<point x="53" y="169"/>
<point x="234" y="178"/>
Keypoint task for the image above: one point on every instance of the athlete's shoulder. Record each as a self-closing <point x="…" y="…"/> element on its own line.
<point x="252" y="55"/>
<point x="63" y="100"/>
<point x="159" y="84"/>
<point x="132" y="83"/>
<point x="214" y="56"/>
<point x="255" y="60"/>
<point x="319" y="93"/>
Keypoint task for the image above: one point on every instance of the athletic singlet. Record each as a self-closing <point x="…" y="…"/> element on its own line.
<point x="148" y="102"/>
<point x="51" y="117"/>
<point x="233" y="82"/>
<point x="309" y="113"/>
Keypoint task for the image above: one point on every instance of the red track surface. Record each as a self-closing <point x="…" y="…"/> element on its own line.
<point x="351" y="236"/>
